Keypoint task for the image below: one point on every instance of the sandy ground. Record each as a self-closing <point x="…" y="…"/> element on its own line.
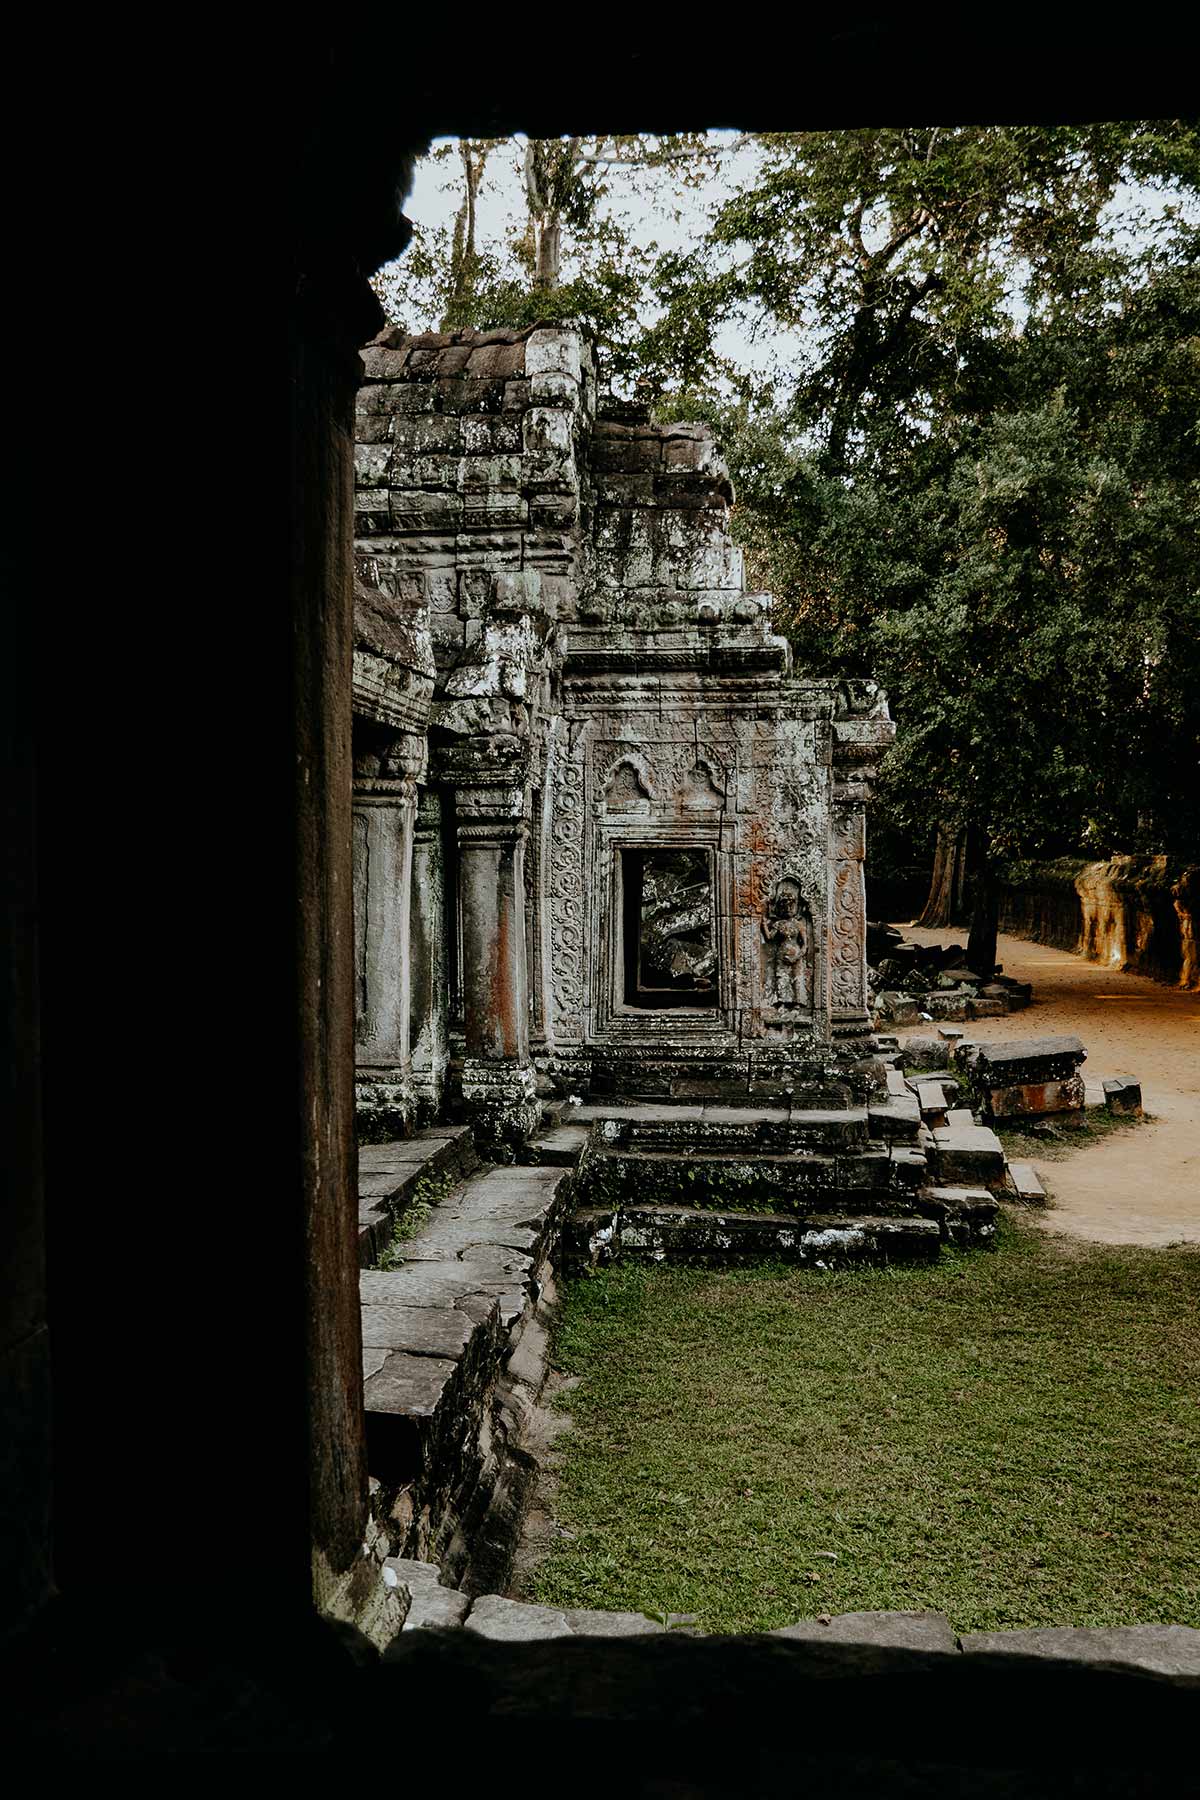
<point x="1142" y="1187"/>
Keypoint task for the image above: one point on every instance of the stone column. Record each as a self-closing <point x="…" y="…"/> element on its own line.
<point x="498" y="1081"/>
<point x="848" y="915"/>
<point x="429" y="991"/>
<point x="385" y="808"/>
<point x="862" y="733"/>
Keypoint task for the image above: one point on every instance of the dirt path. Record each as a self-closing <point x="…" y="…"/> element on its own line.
<point x="1137" y="1188"/>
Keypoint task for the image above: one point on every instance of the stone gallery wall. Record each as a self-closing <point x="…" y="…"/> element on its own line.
<point x="1139" y="913"/>
<point x="604" y="689"/>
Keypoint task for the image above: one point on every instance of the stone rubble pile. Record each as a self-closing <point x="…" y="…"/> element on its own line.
<point x="908" y="982"/>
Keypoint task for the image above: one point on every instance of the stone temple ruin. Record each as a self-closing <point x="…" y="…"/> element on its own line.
<point x="611" y="977"/>
<point x="607" y="841"/>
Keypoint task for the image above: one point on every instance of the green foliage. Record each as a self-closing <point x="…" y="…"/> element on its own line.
<point x="1008" y="1438"/>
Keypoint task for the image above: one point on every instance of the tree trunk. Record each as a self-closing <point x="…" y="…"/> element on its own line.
<point x="984" y="898"/>
<point x="549" y="252"/>
<point x="462" y="256"/>
<point x="945" y="903"/>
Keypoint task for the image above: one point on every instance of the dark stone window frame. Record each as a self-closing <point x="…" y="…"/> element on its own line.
<point x="635" y="996"/>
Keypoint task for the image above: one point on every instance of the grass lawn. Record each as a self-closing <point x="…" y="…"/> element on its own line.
<point x="1010" y="1437"/>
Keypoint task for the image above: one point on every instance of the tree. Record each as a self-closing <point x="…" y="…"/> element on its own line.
<point x="998" y="516"/>
<point x="974" y="473"/>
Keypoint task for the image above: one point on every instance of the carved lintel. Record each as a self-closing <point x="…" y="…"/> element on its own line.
<point x="492" y="831"/>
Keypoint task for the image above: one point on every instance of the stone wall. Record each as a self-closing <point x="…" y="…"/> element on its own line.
<point x="1137" y="913"/>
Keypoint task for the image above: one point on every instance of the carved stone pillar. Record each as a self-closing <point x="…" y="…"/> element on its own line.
<point x="385" y="807"/>
<point x="429" y="987"/>
<point x="848" y="915"/>
<point x="862" y="733"/>
<point x="498" y="1081"/>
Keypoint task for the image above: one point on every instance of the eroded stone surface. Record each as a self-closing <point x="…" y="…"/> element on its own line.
<point x="1168" y="1649"/>
<point x="902" y="1630"/>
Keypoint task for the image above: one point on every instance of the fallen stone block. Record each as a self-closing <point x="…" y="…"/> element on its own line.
<point x="960" y="1116"/>
<point x="986" y="1008"/>
<point x="968" y="1157"/>
<point x="902" y="1630"/>
<point x="1167" y="1649"/>
<point x="899" y="1009"/>
<point x="1026" y="1187"/>
<point x="896" y="1119"/>
<point x="931" y="1098"/>
<point x="1123" y="1095"/>
<point x="947" y="1006"/>
<point x="1027" y="1077"/>
<point x="1034" y="1100"/>
<point x="1029" y="1059"/>
<point x="950" y="1034"/>
<point x="965" y="1215"/>
<point x="927" y="1053"/>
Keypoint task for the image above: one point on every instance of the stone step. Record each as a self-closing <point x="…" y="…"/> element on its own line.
<point x="561" y="1147"/>
<point x="681" y="1233"/>
<point x="739" y="1128"/>
<point x="867" y="1178"/>
<point x="431" y="1605"/>
<point x="896" y="1119"/>
<point x="389" y="1174"/>
<point x="497" y="1212"/>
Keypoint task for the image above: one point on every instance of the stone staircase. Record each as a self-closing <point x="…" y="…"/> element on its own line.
<point x="891" y="1180"/>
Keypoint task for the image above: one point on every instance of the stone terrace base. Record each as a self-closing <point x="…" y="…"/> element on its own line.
<point x="1164" y="1649"/>
<point x="883" y="1181"/>
<point x="662" y="1713"/>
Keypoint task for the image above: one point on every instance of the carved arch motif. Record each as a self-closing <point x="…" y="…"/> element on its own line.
<point x="627" y="785"/>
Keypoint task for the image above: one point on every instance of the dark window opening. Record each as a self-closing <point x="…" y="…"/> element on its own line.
<point x="670" y="947"/>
